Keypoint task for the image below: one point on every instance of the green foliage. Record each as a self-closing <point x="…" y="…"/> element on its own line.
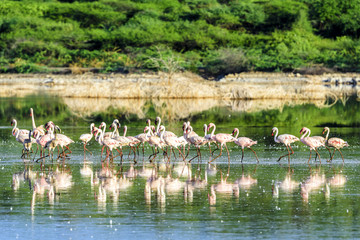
<point x="217" y="37"/>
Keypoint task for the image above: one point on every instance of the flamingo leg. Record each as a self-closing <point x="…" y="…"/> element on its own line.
<point x="328" y="150"/>
<point x="309" y="157"/>
<point x="221" y="146"/>
<point x="180" y="153"/>
<point x="332" y="155"/>
<point x="255" y="154"/>
<point x="242" y="154"/>
<point x="209" y="147"/>
<point x="197" y="151"/>
<point x="286" y="154"/>
<point x="317" y="152"/>
<point x="88" y="150"/>
<point x="341" y="155"/>
<point x="227" y="153"/>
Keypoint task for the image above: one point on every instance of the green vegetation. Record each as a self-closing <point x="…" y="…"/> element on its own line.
<point x="209" y="37"/>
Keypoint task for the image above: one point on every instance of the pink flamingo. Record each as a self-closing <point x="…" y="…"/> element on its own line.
<point x="173" y="142"/>
<point x="221" y="138"/>
<point x="285" y="139"/>
<point x="86" y="137"/>
<point x="312" y="143"/>
<point x="336" y="143"/>
<point x="109" y="143"/>
<point x="155" y="141"/>
<point x="133" y="140"/>
<point x="195" y="140"/>
<point x="244" y="142"/>
<point x="143" y="137"/>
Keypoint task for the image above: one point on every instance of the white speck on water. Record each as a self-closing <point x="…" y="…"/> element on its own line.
<point x="70" y="229"/>
<point x="91" y="236"/>
<point x="68" y="222"/>
<point x="11" y="208"/>
<point x="115" y="229"/>
<point x="50" y="216"/>
<point x="2" y="168"/>
<point x="222" y="221"/>
<point x="347" y="210"/>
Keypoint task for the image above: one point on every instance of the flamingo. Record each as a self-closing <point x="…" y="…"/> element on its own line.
<point x="173" y="142"/>
<point x="312" y="143"/>
<point x="221" y="138"/>
<point x="23" y="133"/>
<point x="166" y="133"/>
<point x="107" y="142"/>
<point x="285" y="139"/>
<point x="244" y="142"/>
<point x="143" y="137"/>
<point x="195" y="140"/>
<point x="208" y="138"/>
<point x="86" y="137"/>
<point x="336" y="143"/>
<point x="133" y="140"/>
<point x="62" y="140"/>
<point x="212" y="197"/>
<point x="155" y="141"/>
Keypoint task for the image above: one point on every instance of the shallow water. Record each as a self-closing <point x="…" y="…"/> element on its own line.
<point x="264" y="200"/>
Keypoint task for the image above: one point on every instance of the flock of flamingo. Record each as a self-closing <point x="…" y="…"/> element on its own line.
<point x="48" y="136"/>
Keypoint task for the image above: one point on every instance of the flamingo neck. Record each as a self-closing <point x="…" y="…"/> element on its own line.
<point x="16" y="133"/>
<point x="237" y="132"/>
<point x="327" y="134"/>
<point x="104" y="127"/>
<point x="158" y="125"/>
<point x="125" y="131"/>
<point x="213" y="131"/>
<point x="205" y="130"/>
<point x="91" y="127"/>
<point x="15" y="125"/>
<point x="32" y="118"/>
<point x="162" y="134"/>
<point x="307" y="132"/>
<point x="276" y="134"/>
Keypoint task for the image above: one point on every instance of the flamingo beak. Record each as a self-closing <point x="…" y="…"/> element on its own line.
<point x="272" y="133"/>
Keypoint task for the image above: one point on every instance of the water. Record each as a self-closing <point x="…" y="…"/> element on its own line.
<point x="265" y="200"/>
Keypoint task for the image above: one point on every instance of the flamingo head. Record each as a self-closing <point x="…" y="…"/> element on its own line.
<point x="146" y="129"/>
<point x="234" y="131"/>
<point x="210" y="126"/>
<point x="125" y="128"/>
<point x="205" y="128"/>
<point x="302" y="130"/>
<point x="153" y="129"/>
<point x="272" y="132"/>
<point x="157" y="120"/>
<point x="116" y="121"/>
<point x="184" y="126"/>
<point x="12" y="122"/>
<point x="148" y="121"/>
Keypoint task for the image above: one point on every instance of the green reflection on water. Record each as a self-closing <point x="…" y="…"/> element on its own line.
<point x="51" y="108"/>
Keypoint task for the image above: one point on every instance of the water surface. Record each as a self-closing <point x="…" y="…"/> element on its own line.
<point x="265" y="200"/>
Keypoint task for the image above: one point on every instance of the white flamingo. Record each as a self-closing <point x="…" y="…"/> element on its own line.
<point x="285" y="139"/>
<point x="86" y="137"/>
